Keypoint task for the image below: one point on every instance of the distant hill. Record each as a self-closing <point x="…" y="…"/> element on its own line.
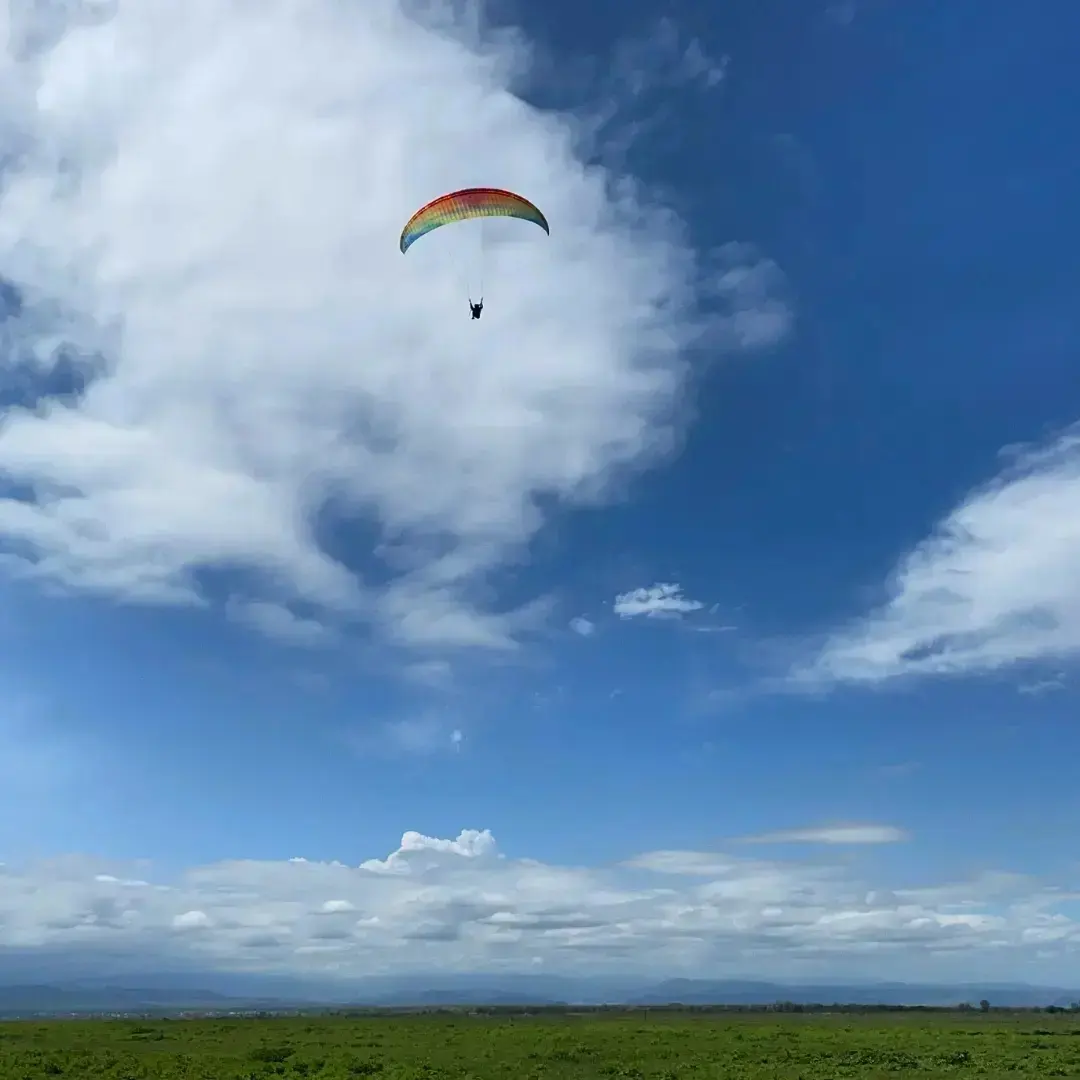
<point x="57" y="1000"/>
<point x="221" y="992"/>
<point x="704" y="992"/>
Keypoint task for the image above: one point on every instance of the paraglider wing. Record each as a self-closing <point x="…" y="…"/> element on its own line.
<point x="469" y="203"/>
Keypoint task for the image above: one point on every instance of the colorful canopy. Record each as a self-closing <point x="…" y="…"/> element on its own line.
<point x="469" y="203"/>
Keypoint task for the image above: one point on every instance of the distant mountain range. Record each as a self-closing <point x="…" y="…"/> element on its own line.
<point x="222" y="992"/>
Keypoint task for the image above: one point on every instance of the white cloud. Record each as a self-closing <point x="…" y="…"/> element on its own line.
<point x="459" y="904"/>
<point x="208" y="196"/>
<point x="336" y="907"/>
<point x="997" y="584"/>
<point x="583" y="626"/>
<point x="659" y="601"/>
<point x="832" y="834"/>
<point x="418" y="852"/>
<point x="191" y="920"/>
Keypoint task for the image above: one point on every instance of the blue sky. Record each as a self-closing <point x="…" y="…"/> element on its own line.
<point x="710" y="607"/>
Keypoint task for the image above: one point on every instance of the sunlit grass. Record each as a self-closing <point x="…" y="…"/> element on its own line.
<point x="659" y="1046"/>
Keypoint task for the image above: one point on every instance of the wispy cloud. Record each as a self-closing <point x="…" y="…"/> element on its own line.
<point x="419" y="736"/>
<point x="278" y="621"/>
<point x="664" y="58"/>
<point x="584" y="627"/>
<point x="1039" y="687"/>
<point x="682" y="863"/>
<point x="664" y="600"/>
<point x="635" y="93"/>
<point x="831" y="834"/>
<point x="997" y="584"/>
<point x="702" y="627"/>
<point x="749" y="292"/>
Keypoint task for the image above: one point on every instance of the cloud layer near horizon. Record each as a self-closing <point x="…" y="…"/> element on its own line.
<point x="207" y="198"/>
<point x="461" y="905"/>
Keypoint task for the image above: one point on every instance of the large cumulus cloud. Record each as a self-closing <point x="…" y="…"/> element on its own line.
<point x="200" y="204"/>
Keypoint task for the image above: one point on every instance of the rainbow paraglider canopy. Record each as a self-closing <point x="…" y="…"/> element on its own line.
<point x="469" y="203"/>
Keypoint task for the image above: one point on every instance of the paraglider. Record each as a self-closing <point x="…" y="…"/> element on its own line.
<point x="464" y="205"/>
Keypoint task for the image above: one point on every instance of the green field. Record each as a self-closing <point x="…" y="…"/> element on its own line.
<point x="622" y="1047"/>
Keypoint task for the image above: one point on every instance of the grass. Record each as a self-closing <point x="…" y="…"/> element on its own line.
<point x="621" y="1047"/>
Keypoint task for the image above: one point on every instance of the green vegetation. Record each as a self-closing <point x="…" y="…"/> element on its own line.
<point x="657" y="1045"/>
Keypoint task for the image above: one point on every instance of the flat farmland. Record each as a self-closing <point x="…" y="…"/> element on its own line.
<point x="637" y="1046"/>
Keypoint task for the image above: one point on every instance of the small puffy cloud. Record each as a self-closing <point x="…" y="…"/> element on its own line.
<point x="659" y="601"/>
<point x="583" y="626"/>
<point x="204" y="198"/>
<point x="461" y="905"/>
<point x="336" y="907"/>
<point x="996" y="585"/>
<point x="191" y="920"/>
<point x="416" y="850"/>
<point x="831" y="834"/>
